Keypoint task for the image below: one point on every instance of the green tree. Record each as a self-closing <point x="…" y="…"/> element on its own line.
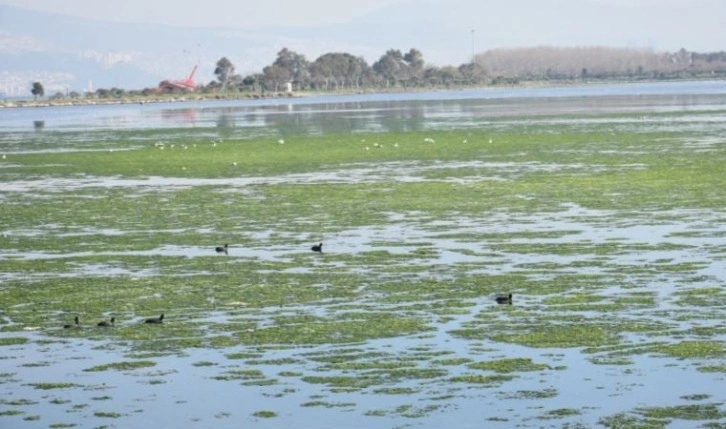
<point x="441" y="76"/>
<point x="472" y="72"/>
<point x="224" y="70"/>
<point x="390" y="66"/>
<point x="339" y="68"/>
<point x="296" y="65"/>
<point x="414" y="65"/>
<point x="253" y="82"/>
<point x="396" y="67"/>
<point x="37" y="90"/>
<point x="276" y="76"/>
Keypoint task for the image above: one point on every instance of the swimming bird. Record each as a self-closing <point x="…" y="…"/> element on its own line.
<point x="317" y="248"/>
<point x="222" y="249"/>
<point x="74" y="325"/>
<point x="504" y="299"/>
<point x="105" y="323"/>
<point x="155" y="319"/>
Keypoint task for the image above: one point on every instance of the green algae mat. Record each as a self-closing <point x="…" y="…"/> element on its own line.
<point x="609" y="231"/>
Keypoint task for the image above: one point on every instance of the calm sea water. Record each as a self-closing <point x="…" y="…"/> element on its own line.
<point x="372" y="112"/>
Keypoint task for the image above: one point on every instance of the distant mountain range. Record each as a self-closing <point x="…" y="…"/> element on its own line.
<point x="68" y="53"/>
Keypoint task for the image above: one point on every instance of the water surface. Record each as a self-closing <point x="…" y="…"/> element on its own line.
<point x="631" y="253"/>
<point x="374" y="112"/>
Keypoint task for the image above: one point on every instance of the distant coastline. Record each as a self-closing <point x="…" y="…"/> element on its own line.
<point x="201" y="97"/>
<point x="177" y="98"/>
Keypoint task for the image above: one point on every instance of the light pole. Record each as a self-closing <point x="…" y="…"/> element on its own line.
<point x="472" y="44"/>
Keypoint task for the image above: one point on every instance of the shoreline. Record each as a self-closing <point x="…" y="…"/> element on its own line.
<point x="196" y="97"/>
<point x="180" y="98"/>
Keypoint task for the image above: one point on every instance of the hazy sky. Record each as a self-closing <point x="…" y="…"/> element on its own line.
<point x="209" y="13"/>
<point x="447" y="31"/>
<point x="255" y="13"/>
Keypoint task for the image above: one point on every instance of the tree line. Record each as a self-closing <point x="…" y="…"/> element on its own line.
<point x="406" y="70"/>
<point x="337" y="71"/>
<point x="395" y="69"/>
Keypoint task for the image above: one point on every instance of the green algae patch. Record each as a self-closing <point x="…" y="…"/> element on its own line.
<point x="240" y="374"/>
<point x="405" y="411"/>
<point x="661" y="417"/>
<point x="261" y="382"/>
<point x="381" y="365"/>
<point x="482" y="380"/>
<point x="685" y="412"/>
<point x="531" y="394"/>
<point x="396" y="391"/>
<point x="351" y="383"/>
<point x="204" y="363"/>
<point x="509" y="365"/>
<point x="107" y="414"/>
<point x="381" y="375"/>
<point x="693" y="349"/>
<point x="353" y="328"/>
<point x="325" y="404"/>
<point x="121" y="366"/>
<point x="696" y="397"/>
<point x="53" y="386"/>
<point x="702" y="297"/>
<point x="712" y="368"/>
<point x="560" y="413"/>
<point x="560" y="336"/>
<point x="17" y="402"/>
<point x="452" y="361"/>
<point x="577" y="298"/>
<point x="13" y="341"/>
<point x="557" y="330"/>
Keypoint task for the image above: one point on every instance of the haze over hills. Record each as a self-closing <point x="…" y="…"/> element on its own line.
<point x="67" y="53"/>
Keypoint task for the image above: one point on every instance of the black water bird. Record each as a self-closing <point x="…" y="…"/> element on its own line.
<point x="504" y="299"/>
<point x="73" y="325"/>
<point x="222" y="249"/>
<point x="317" y="248"/>
<point x="106" y="323"/>
<point x="159" y="319"/>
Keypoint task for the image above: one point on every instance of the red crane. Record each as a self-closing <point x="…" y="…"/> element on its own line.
<point x="183" y="85"/>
